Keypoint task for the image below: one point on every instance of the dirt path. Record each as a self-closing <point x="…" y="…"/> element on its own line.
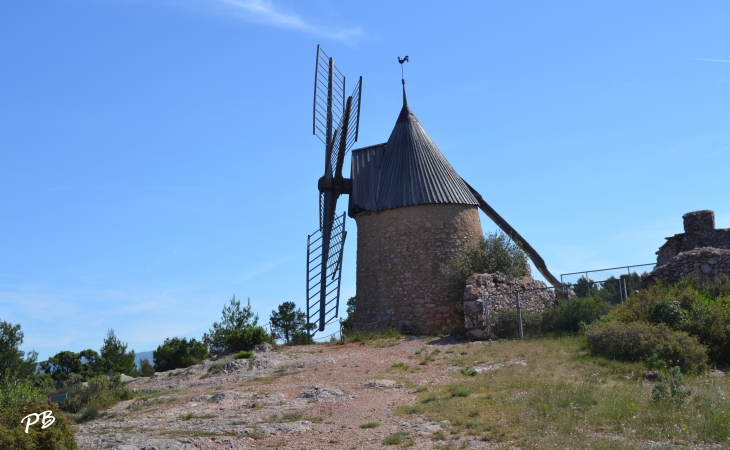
<point x="313" y="397"/>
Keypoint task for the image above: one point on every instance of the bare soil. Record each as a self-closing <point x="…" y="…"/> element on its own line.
<point x="313" y="397"/>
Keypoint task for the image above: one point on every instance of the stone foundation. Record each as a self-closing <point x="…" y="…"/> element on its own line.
<point x="399" y="254"/>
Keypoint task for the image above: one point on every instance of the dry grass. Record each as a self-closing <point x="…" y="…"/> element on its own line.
<point x="564" y="398"/>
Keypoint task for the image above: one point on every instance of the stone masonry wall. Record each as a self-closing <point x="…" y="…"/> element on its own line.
<point x="399" y="253"/>
<point x="501" y="291"/>
<point x="699" y="231"/>
<point x="704" y="262"/>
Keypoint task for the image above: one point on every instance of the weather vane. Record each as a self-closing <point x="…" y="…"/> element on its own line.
<point x="401" y="61"/>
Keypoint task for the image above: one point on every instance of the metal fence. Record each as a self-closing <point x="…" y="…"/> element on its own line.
<point x="613" y="285"/>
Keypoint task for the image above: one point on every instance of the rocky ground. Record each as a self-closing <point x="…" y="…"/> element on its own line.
<point x="312" y="397"/>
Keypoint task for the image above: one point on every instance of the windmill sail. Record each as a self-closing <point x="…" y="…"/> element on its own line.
<point x="332" y="268"/>
<point x="331" y="108"/>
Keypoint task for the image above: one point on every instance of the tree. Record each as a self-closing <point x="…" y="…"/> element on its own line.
<point x="349" y="323"/>
<point x="145" y="368"/>
<point x="288" y="321"/>
<point x="233" y="317"/>
<point x="178" y="353"/>
<point x="62" y="365"/>
<point x="494" y="252"/>
<point x="115" y="352"/>
<point x="14" y="364"/>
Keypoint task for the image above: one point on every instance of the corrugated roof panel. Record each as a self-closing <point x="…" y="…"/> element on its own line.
<point x="413" y="171"/>
<point x="364" y="173"/>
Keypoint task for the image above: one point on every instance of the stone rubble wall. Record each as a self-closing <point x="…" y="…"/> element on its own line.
<point x="699" y="231"/>
<point x="501" y="291"/>
<point x="704" y="262"/>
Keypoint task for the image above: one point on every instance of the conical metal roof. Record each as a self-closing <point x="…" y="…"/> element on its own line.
<point x="413" y="171"/>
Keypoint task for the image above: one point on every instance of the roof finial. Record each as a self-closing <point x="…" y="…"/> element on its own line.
<point x="402" y="79"/>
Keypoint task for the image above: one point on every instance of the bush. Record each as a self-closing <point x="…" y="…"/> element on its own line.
<point x="700" y="308"/>
<point x="244" y="355"/>
<point x="59" y="436"/>
<point x="505" y="324"/>
<point x="638" y="341"/>
<point x="145" y="368"/>
<point x="245" y="338"/>
<point x="178" y="353"/>
<point x="100" y="393"/>
<point x="670" y="388"/>
<point x="557" y="320"/>
<point x="495" y="252"/>
<point x="233" y="317"/>
<point x="19" y="400"/>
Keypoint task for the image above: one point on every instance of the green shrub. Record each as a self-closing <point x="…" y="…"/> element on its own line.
<point x="670" y="388"/>
<point x="370" y="425"/>
<point x="18" y="401"/>
<point x="468" y="371"/>
<point x="557" y="320"/>
<point x="244" y="355"/>
<point x="100" y="393"/>
<point x="494" y="252"/>
<point x="245" y="338"/>
<point x="638" y="341"/>
<point x="458" y="391"/>
<point x="178" y="353"/>
<point x="505" y="324"/>
<point x="145" y="368"/>
<point x="698" y="307"/>
<point x="395" y="438"/>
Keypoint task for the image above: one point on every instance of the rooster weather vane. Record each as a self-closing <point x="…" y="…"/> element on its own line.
<point x="401" y="61"/>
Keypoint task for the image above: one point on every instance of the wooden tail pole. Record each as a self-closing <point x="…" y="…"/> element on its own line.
<point x="517" y="238"/>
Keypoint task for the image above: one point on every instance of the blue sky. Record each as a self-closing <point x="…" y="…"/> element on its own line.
<point x="156" y="157"/>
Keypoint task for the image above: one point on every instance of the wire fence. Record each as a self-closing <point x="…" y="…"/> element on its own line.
<point x="587" y="296"/>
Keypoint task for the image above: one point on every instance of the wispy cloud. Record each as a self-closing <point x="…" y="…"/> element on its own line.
<point x="266" y="12"/>
<point x="712" y="60"/>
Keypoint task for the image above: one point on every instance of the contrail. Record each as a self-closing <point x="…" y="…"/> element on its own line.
<point x="714" y="60"/>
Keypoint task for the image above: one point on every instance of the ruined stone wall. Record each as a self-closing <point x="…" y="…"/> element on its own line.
<point x="704" y="262"/>
<point x="501" y="291"/>
<point x="399" y="253"/>
<point x="699" y="231"/>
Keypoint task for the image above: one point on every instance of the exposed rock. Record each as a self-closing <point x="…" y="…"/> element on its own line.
<point x="271" y="399"/>
<point x="235" y="365"/>
<point x="200" y="399"/>
<point x="716" y="373"/>
<point x="127" y="378"/>
<point x="226" y="396"/>
<point x="383" y="384"/>
<point x="263" y="347"/>
<point x="283" y="428"/>
<point x="324" y="394"/>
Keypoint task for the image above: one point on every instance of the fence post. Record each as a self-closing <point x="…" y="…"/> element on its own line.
<point x="342" y="337"/>
<point x="570" y="314"/>
<point x="519" y="314"/>
<point x="485" y="297"/>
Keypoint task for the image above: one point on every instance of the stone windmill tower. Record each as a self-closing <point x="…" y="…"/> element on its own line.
<point x="413" y="213"/>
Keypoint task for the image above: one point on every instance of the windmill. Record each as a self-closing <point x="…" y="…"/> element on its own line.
<point x="413" y="213"/>
<point x="336" y="122"/>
